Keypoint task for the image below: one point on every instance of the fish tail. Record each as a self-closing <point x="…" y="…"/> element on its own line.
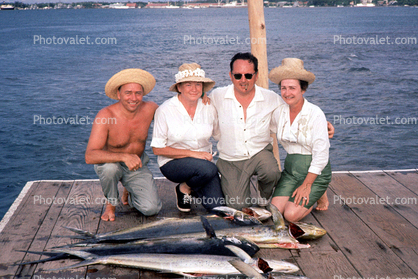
<point x="210" y="232"/>
<point x="278" y="219"/>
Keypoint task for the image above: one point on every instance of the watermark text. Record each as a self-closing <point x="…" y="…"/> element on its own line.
<point x="77" y="40"/>
<point x="373" y="40"/>
<point x="375" y="120"/>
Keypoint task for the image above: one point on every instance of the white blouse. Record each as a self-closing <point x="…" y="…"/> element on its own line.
<point x="307" y="135"/>
<point x="173" y="127"/>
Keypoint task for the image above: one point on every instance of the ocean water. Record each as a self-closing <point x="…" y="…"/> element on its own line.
<point x="365" y="61"/>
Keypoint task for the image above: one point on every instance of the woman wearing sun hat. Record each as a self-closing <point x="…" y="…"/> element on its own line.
<point x="183" y="126"/>
<point x="301" y="129"/>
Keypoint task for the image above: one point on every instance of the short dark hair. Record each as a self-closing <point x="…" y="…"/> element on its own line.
<point x="245" y="56"/>
<point x="303" y="85"/>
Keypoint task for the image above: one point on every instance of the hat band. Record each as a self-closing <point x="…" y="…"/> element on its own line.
<point x="189" y="73"/>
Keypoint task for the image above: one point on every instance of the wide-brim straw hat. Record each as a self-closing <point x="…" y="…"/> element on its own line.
<point x="291" y="68"/>
<point x="192" y="72"/>
<point x="129" y="76"/>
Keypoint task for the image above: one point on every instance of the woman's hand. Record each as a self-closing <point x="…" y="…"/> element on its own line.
<point x="202" y="155"/>
<point x="302" y="194"/>
<point x="303" y="191"/>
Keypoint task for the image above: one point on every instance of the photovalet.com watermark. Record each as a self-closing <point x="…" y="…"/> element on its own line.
<point x="71" y="120"/>
<point x="374" y="40"/>
<point x="39" y="199"/>
<point x="376" y="200"/>
<point x="221" y="40"/>
<point x="73" y="40"/>
<point x="374" y="120"/>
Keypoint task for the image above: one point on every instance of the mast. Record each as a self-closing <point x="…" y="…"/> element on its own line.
<point x="259" y="50"/>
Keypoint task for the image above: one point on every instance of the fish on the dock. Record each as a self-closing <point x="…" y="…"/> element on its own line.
<point x="187" y="265"/>
<point x="248" y="215"/>
<point x="275" y="236"/>
<point x="258" y="212"/>
<point x="210" y="245"/>
<point x="307" y="231"/>
<point x="162" y="228"/>
<point x="252" y="273"/>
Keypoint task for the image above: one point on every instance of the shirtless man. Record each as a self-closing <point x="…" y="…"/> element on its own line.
<point x="117" y="142"/>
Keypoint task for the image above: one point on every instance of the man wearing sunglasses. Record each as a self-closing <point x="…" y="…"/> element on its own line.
<point x="244" y="113"/>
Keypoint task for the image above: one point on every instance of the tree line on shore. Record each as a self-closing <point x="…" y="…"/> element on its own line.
<point x="319" y="3"/>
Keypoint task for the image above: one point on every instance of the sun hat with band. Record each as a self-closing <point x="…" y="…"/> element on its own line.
<point x="129" y="76"/>
<point x="192" y="72"/>
<point x="291" y="68"/>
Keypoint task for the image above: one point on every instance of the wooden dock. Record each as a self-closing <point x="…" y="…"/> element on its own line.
<point x="374" y="234"/>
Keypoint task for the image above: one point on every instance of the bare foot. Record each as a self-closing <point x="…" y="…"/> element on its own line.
<point x="109" y="214"/>
<point x="125" y="196"/>
<point x="323" y="202"/>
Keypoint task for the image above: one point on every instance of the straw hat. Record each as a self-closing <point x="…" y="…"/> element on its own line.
<point x="291" y="68"/>
<point x="192" y="72"/>
<point x="129" y="76"/>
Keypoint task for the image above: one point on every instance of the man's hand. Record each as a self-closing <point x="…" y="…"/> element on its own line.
<point x="205" y="99"/>
<point x="132" y="161"/>
<point x="331" y="130"/>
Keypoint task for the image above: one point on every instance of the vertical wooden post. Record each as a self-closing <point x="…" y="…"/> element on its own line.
<point x="258" y="39"/>
<point x="259" y="49"/>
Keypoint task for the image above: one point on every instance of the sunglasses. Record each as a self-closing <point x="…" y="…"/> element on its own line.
<point x="247" y="76"/>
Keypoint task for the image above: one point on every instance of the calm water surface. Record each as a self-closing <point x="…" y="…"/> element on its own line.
<point x="355" y="82"/>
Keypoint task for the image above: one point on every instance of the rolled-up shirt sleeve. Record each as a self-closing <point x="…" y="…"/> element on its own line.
<point x="320" y="142"/>
<point x="159" y="134"/>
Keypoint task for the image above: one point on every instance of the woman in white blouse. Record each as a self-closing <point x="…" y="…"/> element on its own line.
<point x="183" y="126"/>
<point x="301" y="129"/>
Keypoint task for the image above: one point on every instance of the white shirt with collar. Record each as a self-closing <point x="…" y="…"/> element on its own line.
<point x="307" y="135"/>
<point x="239" y="139"/>
<point x="173" y="127"/>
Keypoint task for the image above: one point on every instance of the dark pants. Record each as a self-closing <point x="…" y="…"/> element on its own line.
<point x="200" y="175"/>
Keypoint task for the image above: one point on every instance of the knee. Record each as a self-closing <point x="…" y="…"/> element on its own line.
<point x="211" y="170"/>
<point x="291" y="216"/>
<point x="107" y="170"/>
<point x="269" y="173"/>
<point x="149" y="208"/>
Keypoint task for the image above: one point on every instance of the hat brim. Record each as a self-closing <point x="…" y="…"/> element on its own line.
<point x="129" y="76"/>
<point x="280" y="73"/>
<point x="208" y="84"/>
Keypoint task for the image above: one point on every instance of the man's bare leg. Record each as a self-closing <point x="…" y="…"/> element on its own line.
<point x="125" y="196"/>
<point x="323" y="202"/>
<point x="109" y="214"/>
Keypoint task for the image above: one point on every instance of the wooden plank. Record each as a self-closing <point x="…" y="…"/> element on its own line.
<point x="81" y="211"/>
<point x="359" y="244"/>
<point x="320" y="264"/>
<point x="323" y="253"/>
<point x="410" y="253"/>
<point x="374" y="211"/>
<point x="44" y="233"/>
<point x="408" y="179"/>
<point x="403" y="200"/>
<point x="396" y="232"/>
<point x="20" y="231"/>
